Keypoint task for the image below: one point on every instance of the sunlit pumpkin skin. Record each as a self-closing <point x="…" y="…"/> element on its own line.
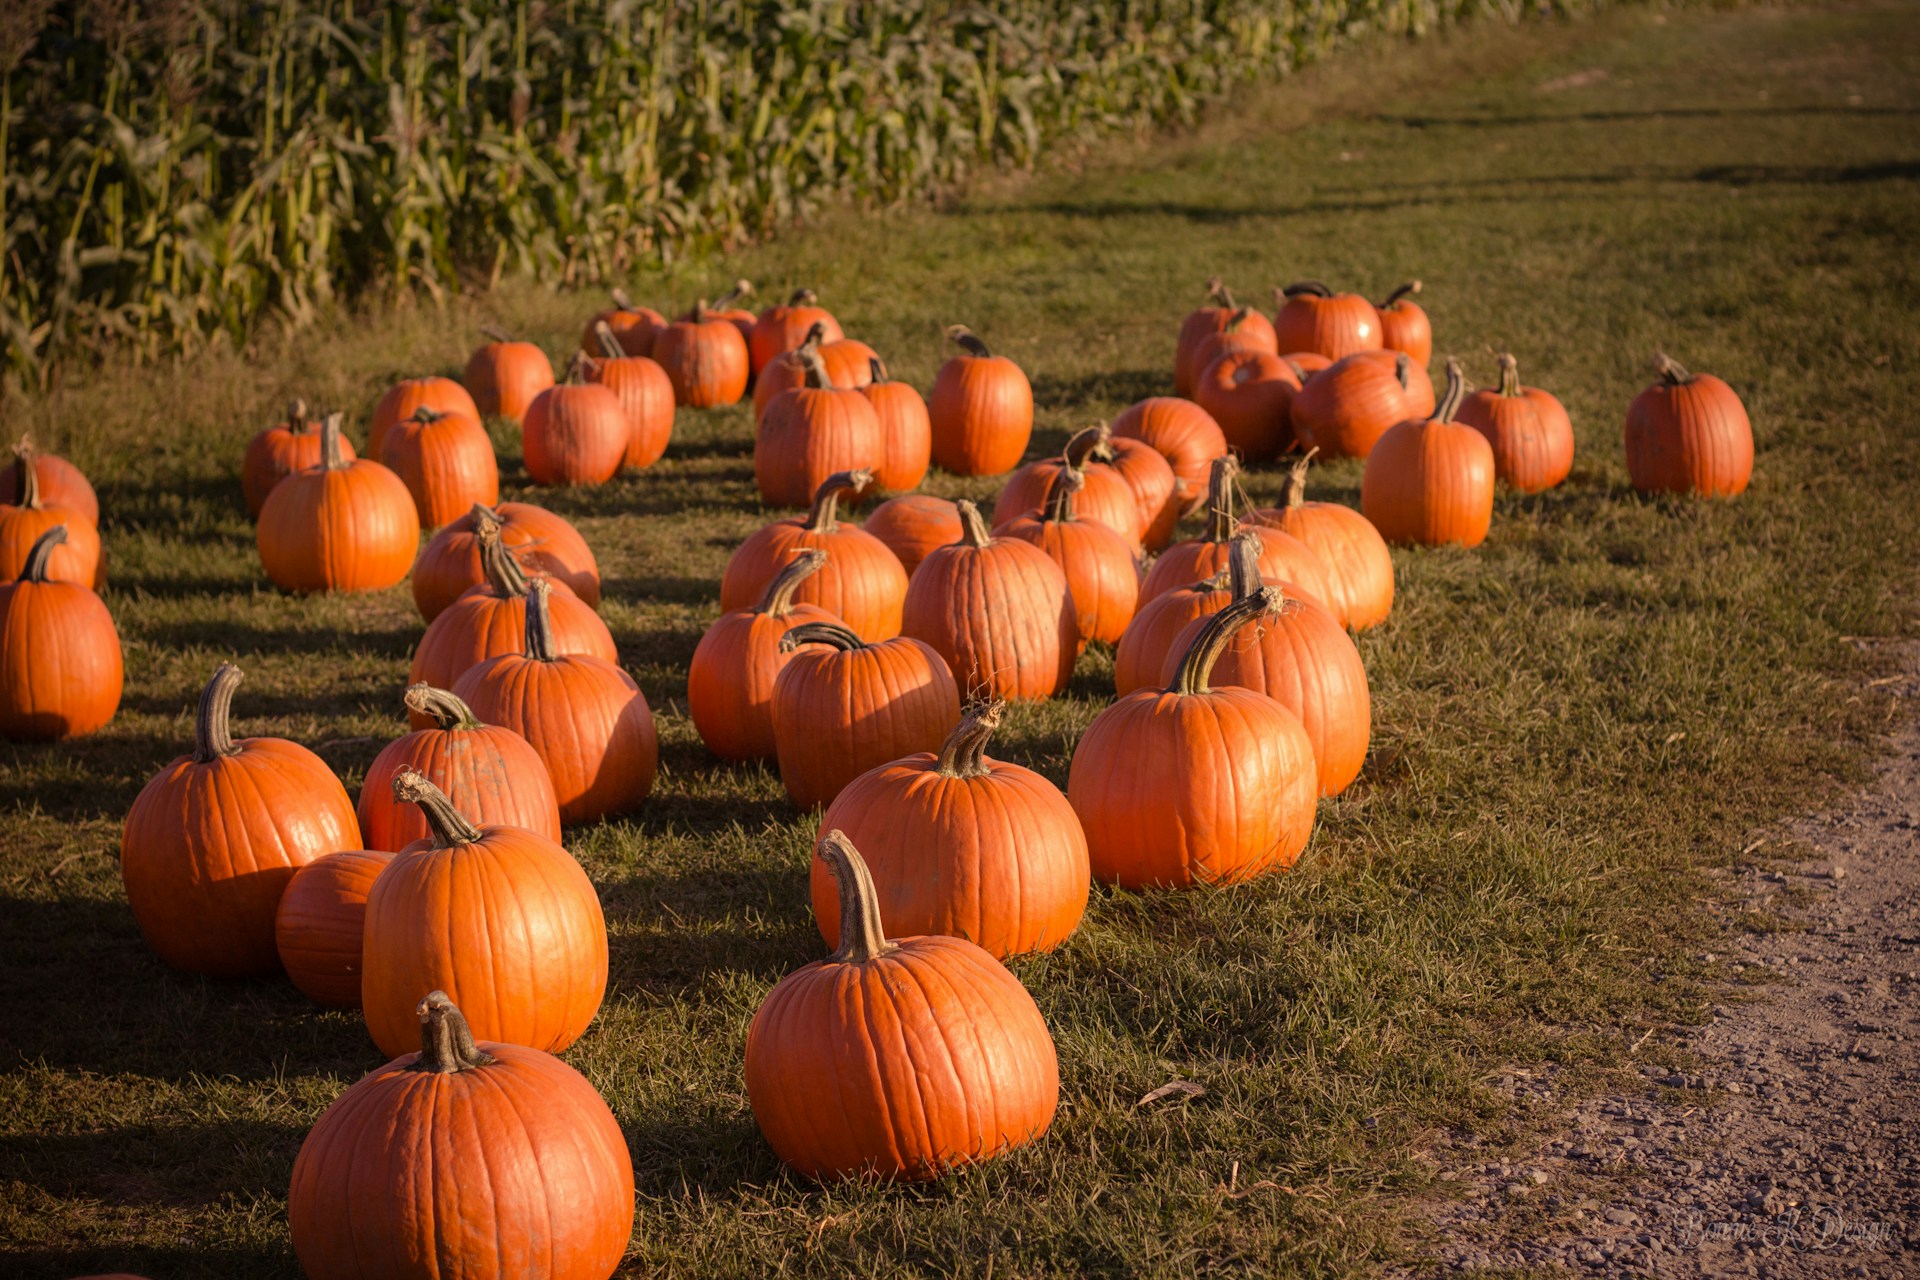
<point x="446" y="461"/>
<point x="541" y="541"/>
<point x="633" y="327"/>
<point x="575" y="432"/>
<point x="1192" y="784"/>
<point x="504" y="376"/>
<point x="400" y="402"/>
<point x="1250" y="395"/>
<point x="705" y="358"/>
<point x="730" y="681"/>
<point x="999" y="612"/>
<point x="1359" y="566"/>
<point x="1344" y="409"/>
<point x="281" y="450"/>
<point x="906" y="432"/>
<point x="1430" y="480"/>
<point x="1140" y="659"/>
<point x="810" y="433"/>
<point x="1302" y="658"/>
<point x="213" y="838"/>
<point x="1104" y="493"/>
<point x="1689" y="433"/>
<point x="1102" y="575"/>
<point x="1183" y="433"/>
<point x="584" y="715"/>
<point x="981" y="410"/>
<point x="343" y="525"/>
<point x="849" y="366"/>
<point x="61" y="483"/>
<point x="500" y="918"/>
<point x="863" y="583"/>
<point x="781" y="328"/>
<point x="1404" y="325"/>
<point x="912" y="525"/>
<point x="490" y="773"/>
<point x="25" y="520"/>
<point x="1314" y="318"/>
<point x="962" y="845"/>
<point x="1531" y="435"/>
<point x="475" y="1161"/>
<point x="61" y="668"/>
<point x="1207" y="321"/>
<point x="1159" y="493"/>
<point x="841" y="707"/>
<point x="320" y="924"/>
<point x="1282" y="557"/>
<point x="645" y="394"/>
<point x="933" y="1054"/>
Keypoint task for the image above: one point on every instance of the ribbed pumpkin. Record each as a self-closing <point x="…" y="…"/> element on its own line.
<point x="1140" y="659"/>
<point x="503" y="376"/>
<point x="1195" y="785"/>
<point x="279" y="451"/>
<point x="476" y="1160"/>
<point x="842" y="707"/>
<point x="61" y="483"/>
<point x="1404" y="325"/>
<point x="912" y="525"/>
<point x="997" y="610"/>
<point x="705" y="358"/>
<point x="1531" y="435"/>
<point x="906" y="433"/>
<point x="320" y="924"/>
<point x="60" y="662"/>
<point x="633" y="326"/>
<point x="1283" y="558"/>
<point x="1246" y="331"/>
<point x="933" y="1055"/>
<point x="782" y="328"/>
<point x="446" y="461"/>
<point x="730" y="681"/>
<point x="1344" y="410"/>
<point x="646" y="395"/>
<point x="1250" y="395"/>
<point x="1314" y="318"/>
<point x="1183" y="433"/>
<point x="213" y="838"/>
<point x="540" y="540"/>
<point x="1159" y="493"/>
<point x="575" y="432"/>
<point x="500" y="918"/>
<point x="1359" y="566"/>
<point x="863" y="583"/>
<point x="584" y="715"/>
<point x="343" y="525"/>
<point x="490" y="773"/>
<point x="1102" y="575"/>
<point x="1430" y="480"/>
<point x="1104" y="494"/>
<point x="1203" y="323"/>
<point x="981" y="409"/>
<point x="849" y="366"/>
<point x="1689" y="433"/>
<point x="962" y="845"/>
<point x="404" y="399"/>
<point x="810" y="433"/>
<point x="23" y="522"/>
<point x="1303" y="659"/>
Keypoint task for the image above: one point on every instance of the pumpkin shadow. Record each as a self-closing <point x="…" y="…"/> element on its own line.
<point x="243" y="640"/>
<point x="713" y="1150"/>
<point x="672" y="933"/>
<point x="702" y="589"/>
<point x="164" y="1164"/>
<point x="1103" y="387"/>
<point x="197" y="1262"/>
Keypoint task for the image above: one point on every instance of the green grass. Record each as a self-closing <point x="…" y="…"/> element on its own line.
<point x="1571" y="722"/>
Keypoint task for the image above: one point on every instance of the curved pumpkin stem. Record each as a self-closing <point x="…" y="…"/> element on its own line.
<point x="1196" y="665"/>
<point x="1509" y="373"/>
<point x="213" y="722"/>
<point x="449" y="712"/>
<point x="1670" y="370"/>
<point x="824" y="515"/>
<point x="1406" y="290"/>
<point x="450" y="828"/>
<point x="504" y="574"/>
<point x="610" y="348"/>
<point x="963" y="754"/>
<point x="1220" y="521"/>
<point x="835" y="634"/>
<point x="1297" y="479"/>
<point x="446" y="1041"/>
<point x="778" y="600"/>
<point x="742" y="288"/>
<point x="1306" y="288"/>
<point x="968" y="340"/>
<point x="1456" y="392"/>
<point x="26" y="476"/>
<point x="861" y="936"/>
<point x="973" y="526"/>
<point x="814" y="368"/>
<point x="1083" y="444"/>
<point x="622" y="300"/>
<point x="1066" y="483"/>
<point x="1243" y="565"/>
<point x="802" y="298"/>
<point x="540" y="642"/>
<point x="500" y="334"/>
<point x="1218" y="293"/>
<point x="330" y="456"/>
<point x="38" y="556"/>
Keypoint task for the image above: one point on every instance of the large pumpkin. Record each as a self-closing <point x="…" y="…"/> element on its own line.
<point x="1689" y="433"/>
<point x="575" y="432"/>
<point x="1250" y="395"/>
<point x="1404" y="325"/>
<point x="913" y="525"/>
<point x="1205" y="322"/>
<point x="781" y="328"/>
<point x="906" y="433"/>
<point x="1282" y="557"/>
<point x="1343" y="410"/>
<point x="543" y="542"/>
<point x="502" y="919"/>
<point x="339" y="526"/>
<point x="1430" y="480"/>
<point x="1183" y="433"/>
<point x="489" y="772"/>
<point x="213" y="838"/>
<point x="1102" y="575"/>
<point x="863" y="583"/>
<point x="1140" y="659"/>
<point x="61" y="669"/>
<point x="645" y="394"/>
<point x="473" y="1160"/>
<point x="810" y="433"/>
<point x="1359" y="566"/>
<point x="997" y="610"/>
<point x="730" y="681"/>
<point x="1104" y="494"/>
<point x="933" y="1055"/>
<point x="402" y="401"/>
<point x="1160" y="495"/>
<point x="705" y="358"/>
<point x="446" y="461"/>
<point x="281" y="450"/>
<point x="633" y="326"/>
<point x="31" y="514"/>
<point x="505" y="375"/>
<point x="1531" y="435"/>
<point x="849" y="366"/>
<point x="981" y="409"/>
<point x="320" y="924"/>
<point x="1012" y="884"/>
<point x="1191" y="784"/>
<point x="61" y="483"/>
<point x="1314" y="318"/>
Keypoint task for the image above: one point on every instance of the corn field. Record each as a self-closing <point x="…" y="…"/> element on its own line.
<point x="178" y="171"/>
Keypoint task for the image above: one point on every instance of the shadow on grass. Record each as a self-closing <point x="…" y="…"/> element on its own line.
<point x="195" y="1262"/>
<point x="675" y="932"/>
<point x="1120" y="386"/>
<point x="241" y="639"/>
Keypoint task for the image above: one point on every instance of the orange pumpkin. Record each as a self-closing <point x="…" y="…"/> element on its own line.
<point x="1250" y="395"/>
<point x="730" y="681"/>
<point x="488" y="771"/>
<point x="1104" y="493"/>
<point x="981" y="409"/>
<point x="1344" y="409"/>
<point x="723" y="308"/>
<point x="61" y="483"/>
<point x="633" y="327"/>
<point x="781" y="328"/>
<point x="1160" y="495"/>
<point x="542" y="541"/>
<point x="31" y="514"/>
<point x="1314" y="318"/>
<point x="504" y="376"/>
<point x="1282" y="557"/>
<point x="849" y="366"/>
<point x="281" y="450"/>
<point x="575" y="432"/>
<point x="1531" y="435"/>
<point x="401" y="401"/>
<point x="1183" y="433"/>
<point x="1404" y="325"/>
<point x="1140" y="659"/>
<point x="645" y="393"/>
<point x="1012" y="885"/>
<point x="60" y="662"/>
<point x="1195" y="785"/>
<point x="906" y="433"/>
<point x="811" y="432"/>
<point x="1307" y="363"/>
<point x="1203" y="323"/>
<point x="446" y="461"/>
<point x="912" y="525"/>
<point x="1359" y="566"/>
<point x="705" y="358"/>
<point x="934" y="1055"/>
<point x="1430" y="480"/>
<point x="321" y="921"/>
<point x="339" y="526"/>
<point x="1689" y="433"/>
<point x="863" y="583"/>
<point x="213" y="839"/>
<point x="1246" y="331"/>
<point x="1102" y="575"/>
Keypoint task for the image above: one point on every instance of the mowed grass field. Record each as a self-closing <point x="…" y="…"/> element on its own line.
<point x="1571" y="722"/>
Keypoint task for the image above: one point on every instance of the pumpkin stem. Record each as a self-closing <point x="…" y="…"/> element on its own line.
<point x="1235" y="320"/>
<point x="1306" y="288"/>
<point x="1082" y="444"/>
<point x="1220" y="521"/>
<point x="447" y="711"/>
<point x="450" y="829"/>
<point x="1196" y="666"/>
<point x="742" y="288"/>
<point x="777" y="602"/>
<point x="963" y="754"/>
<point x="1218" y="293"/>
<point x="814" y="369"/>
<point x="1297" y="479"/>
<point x="540" y="642"/>
<point x="622" y="300"/>
<point x="213" y="723"/>
<point x="1403" y="371"/>
<point x="426" y="415"/>
<point x="824" y="517"/>
<point x="1456" y="392"/>
<point x="1243" y="565"/>
<point x="297" y="414"/>
<point x="973" y="527"/>
<point x="861" y="936"/>
<point x="1406" y="290"/>
<point x="579" y="367"/>
<point x="803" y="298"/>
<point x="1669" y="370"/>
<point x="699" y="314"/>
<point x="1068" y="482"/>
<point x="26" y="476"/>
<point x="968" y="340"/>
<point x="1509" y="373"/>
<point x="330" y="456"/>
<point x="35" y="568"/>
<point x="837" y="634"/>
<point x="504" y="574"/>
<point x="610" y="347"/>
<point x="499" y="334"/>
<point x="446" y="1041"/>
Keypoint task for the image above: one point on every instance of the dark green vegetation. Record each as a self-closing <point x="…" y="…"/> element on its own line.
<point x="1571" y="721"/>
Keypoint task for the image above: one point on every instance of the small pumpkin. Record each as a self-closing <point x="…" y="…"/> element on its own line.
<point x="1183" y="433"/>
<point x="1689" y="433"/>
<point x="1192" y="784"/>
<point x="1203" y="323"/>
<point x="540" y="540"/>
<point x="810" y="433"/>
<point x="1159" y="493"/>
<point x="645" y="394"/>
<point x="934" y="1020"/>
<point x="1404" y="325"/>
<point x="705" y="358"/>
<point x="1102" y="575"/>
<point x="863" y="583"/>
<point x="446" y="461"/>
<point x="281" y="450"/>
<point x="1140" y="659"/>
<point x="321" y="922"/>
<point x="634" y="327"/>
<point x="343" y="525"/>
<point x="1531" y="435"/>
<point x="779" y="329"/>
<point x="1430" y="480"/>
<point x="489" y="772"/>
<point x="981" y="409"/>
<point x="1282" y="557"/>
<point x="61" y="669"/>
<point x="1344" y="409"/>
<point x="912" y="525"/>
<point x="213" y="838"/>
<point x="575" y="432"/>
<point x="730" y="681"/>
<point x="400" y="402"/>
<point x="1359" y="566"/>
<point x="451" y="1162"/>
<point x="906" y="433"/>
<point x="1314" y="318"/>
<point x="61" y="483"/>
<point x="1246" y="331"/>
<point x="504" y="376"/>
<point x="1103" y="495"/>
<point x="23" y="522"/>
<point x="1250" y="395"/>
